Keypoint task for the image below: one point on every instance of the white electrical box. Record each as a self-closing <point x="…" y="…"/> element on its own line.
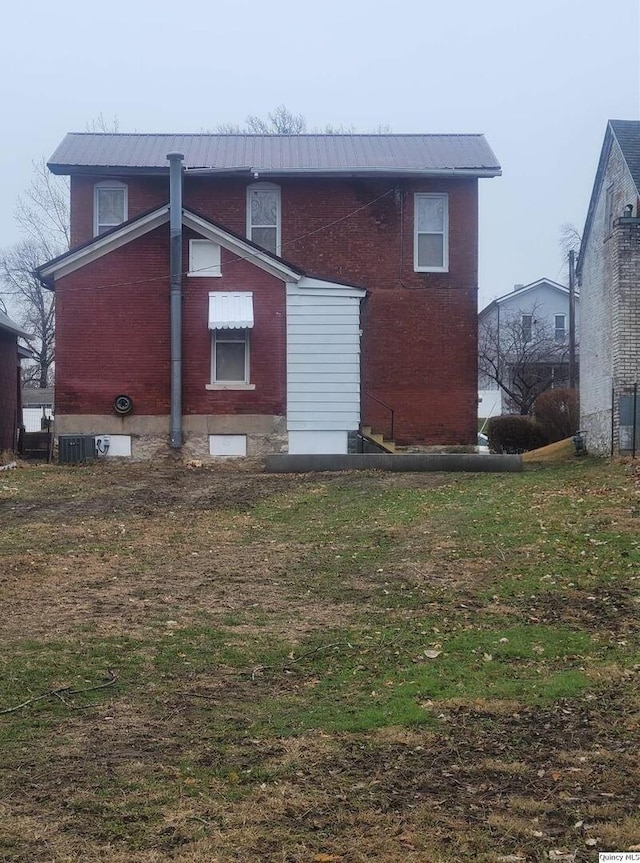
<point x="113" y="445"/>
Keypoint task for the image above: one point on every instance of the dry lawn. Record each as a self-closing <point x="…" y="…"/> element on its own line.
<point x="340" y="667"/>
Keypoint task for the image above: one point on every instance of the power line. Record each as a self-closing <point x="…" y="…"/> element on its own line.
<point x="249" y="256"/>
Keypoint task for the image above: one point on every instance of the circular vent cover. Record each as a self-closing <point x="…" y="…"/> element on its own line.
<point x="122" y="405"/>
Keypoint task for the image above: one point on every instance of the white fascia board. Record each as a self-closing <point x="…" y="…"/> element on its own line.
<point x="103" y="245"/>
<point x="243" y="250"/>
<point x="320" y="287"/>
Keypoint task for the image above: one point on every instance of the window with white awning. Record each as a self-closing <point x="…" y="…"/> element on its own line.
<point x="231" y="311"/>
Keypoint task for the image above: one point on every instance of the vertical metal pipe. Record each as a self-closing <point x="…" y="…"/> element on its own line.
<point x="635" y="418"/>
<point x="175" y="255"/>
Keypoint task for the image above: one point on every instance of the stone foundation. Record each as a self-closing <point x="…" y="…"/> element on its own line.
<point x="150" y="434"/>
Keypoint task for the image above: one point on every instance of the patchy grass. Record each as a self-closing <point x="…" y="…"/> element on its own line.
<point x="339" y="667"/>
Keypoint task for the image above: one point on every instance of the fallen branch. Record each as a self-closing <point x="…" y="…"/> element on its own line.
<point x="61" y="691"/>
<point x="302" y="656"/>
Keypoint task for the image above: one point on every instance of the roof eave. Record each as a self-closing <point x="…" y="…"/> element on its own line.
<point x="133" y="170"/>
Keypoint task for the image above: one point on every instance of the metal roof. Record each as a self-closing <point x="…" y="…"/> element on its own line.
<point x="82" y="152"/>
<point x="231" y="311"/>
<point x="11" y="326"/>
<point x="627" y="133"/>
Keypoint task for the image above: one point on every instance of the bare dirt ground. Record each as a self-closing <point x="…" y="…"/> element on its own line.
<point x="273" y="701"/>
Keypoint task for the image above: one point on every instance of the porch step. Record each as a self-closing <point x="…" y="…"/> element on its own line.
<point x="378" y="439"/>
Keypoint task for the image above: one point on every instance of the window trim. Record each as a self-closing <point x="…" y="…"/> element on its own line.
<point x="445" y="233"/>
<point x="526" y="338"/>
<point x="231" y="385"/>
<point x="564" y="328"/>
<point x="97" y="188"/>
<point x="199" y="273"/>
<point x="265" y="187"/>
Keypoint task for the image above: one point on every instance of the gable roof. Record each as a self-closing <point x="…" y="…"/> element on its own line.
<point x="525" y="289"/>
<point x="281" y="155"/>
<point x="130" y="230"/>
<point x="626" y="134"/>
<point x="10" y="326"/>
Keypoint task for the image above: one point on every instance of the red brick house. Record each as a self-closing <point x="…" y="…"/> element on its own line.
<point x="10" y="404"/>
<point x="324" y="280"/>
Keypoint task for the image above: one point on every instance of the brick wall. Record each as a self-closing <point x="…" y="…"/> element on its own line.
<point x="8" y="390"/>
<point x="419" y="348"/>
<point x="113" y="335"/>
<point x="604" y="305"/>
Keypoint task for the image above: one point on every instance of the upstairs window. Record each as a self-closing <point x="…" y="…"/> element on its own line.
<point x="431" y="233"/>
<point x="560" y="329"/>
<point x="263" y="216"/>
<point x="527" y="327"/>
<point x="109" y="206"/>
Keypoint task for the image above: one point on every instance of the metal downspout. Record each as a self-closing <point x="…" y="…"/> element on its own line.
<point x="175" y="254"/>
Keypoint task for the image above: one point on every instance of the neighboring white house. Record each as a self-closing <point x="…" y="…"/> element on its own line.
<point x="609" y="275"/>
<point x="524" y="334"/>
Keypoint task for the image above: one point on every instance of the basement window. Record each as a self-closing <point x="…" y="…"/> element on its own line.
<point x="431" y="233"/>
<point x="263" y="216"/>
<point x="110" y="206"/>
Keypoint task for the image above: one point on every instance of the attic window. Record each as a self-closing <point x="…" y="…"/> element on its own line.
<point x="109" y="206"/>
<point x="263" y="216"/>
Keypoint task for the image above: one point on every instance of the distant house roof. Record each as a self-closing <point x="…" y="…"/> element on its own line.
<point x="521" y="290"/>
<point x="90" y="152"/>
<point x="626" y="133"/>
<point x="37" y="397"/>
<point x="10" y="326"/>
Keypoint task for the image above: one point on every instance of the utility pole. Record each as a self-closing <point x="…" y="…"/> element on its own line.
<point x="572" y="320"/>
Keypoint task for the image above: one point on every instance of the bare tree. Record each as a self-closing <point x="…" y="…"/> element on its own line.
<point x="570" y="239"/>
<point x="280" y="121"/>
<point x="42" y="214"/>
<point x="35" y="305"/>
<point x="521" y="355"/>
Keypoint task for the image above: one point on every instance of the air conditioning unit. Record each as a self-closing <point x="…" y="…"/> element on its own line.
<point x="76" y="448"/>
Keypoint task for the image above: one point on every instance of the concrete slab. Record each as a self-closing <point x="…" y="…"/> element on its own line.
<point x="467" y="462"/>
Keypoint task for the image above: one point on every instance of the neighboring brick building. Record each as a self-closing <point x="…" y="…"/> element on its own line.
<point x="10" y="406"/>
<point x="609" y="279"/>
<point x="393" y="218"/>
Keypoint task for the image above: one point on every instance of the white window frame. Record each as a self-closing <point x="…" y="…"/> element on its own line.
<point x="445" y="233"/>
<point x="564" y="328"/>
<point x="108" y="184"/>
<point x="212" y="272"/>
<point x="265" y="187"/>
<point x="229" y="333"/>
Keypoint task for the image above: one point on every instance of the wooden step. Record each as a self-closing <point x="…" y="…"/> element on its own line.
<point x="378" y="439"/>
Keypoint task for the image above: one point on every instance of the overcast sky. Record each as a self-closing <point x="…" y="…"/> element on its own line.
<point x="540" y="79"/>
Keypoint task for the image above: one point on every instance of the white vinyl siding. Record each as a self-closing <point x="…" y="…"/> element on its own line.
<point x="323" y="361"/>
<point x="431" y="233"/>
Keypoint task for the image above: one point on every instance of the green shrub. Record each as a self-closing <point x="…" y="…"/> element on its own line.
<point x="558" y="412"/>
<point x="514" y="434"/>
